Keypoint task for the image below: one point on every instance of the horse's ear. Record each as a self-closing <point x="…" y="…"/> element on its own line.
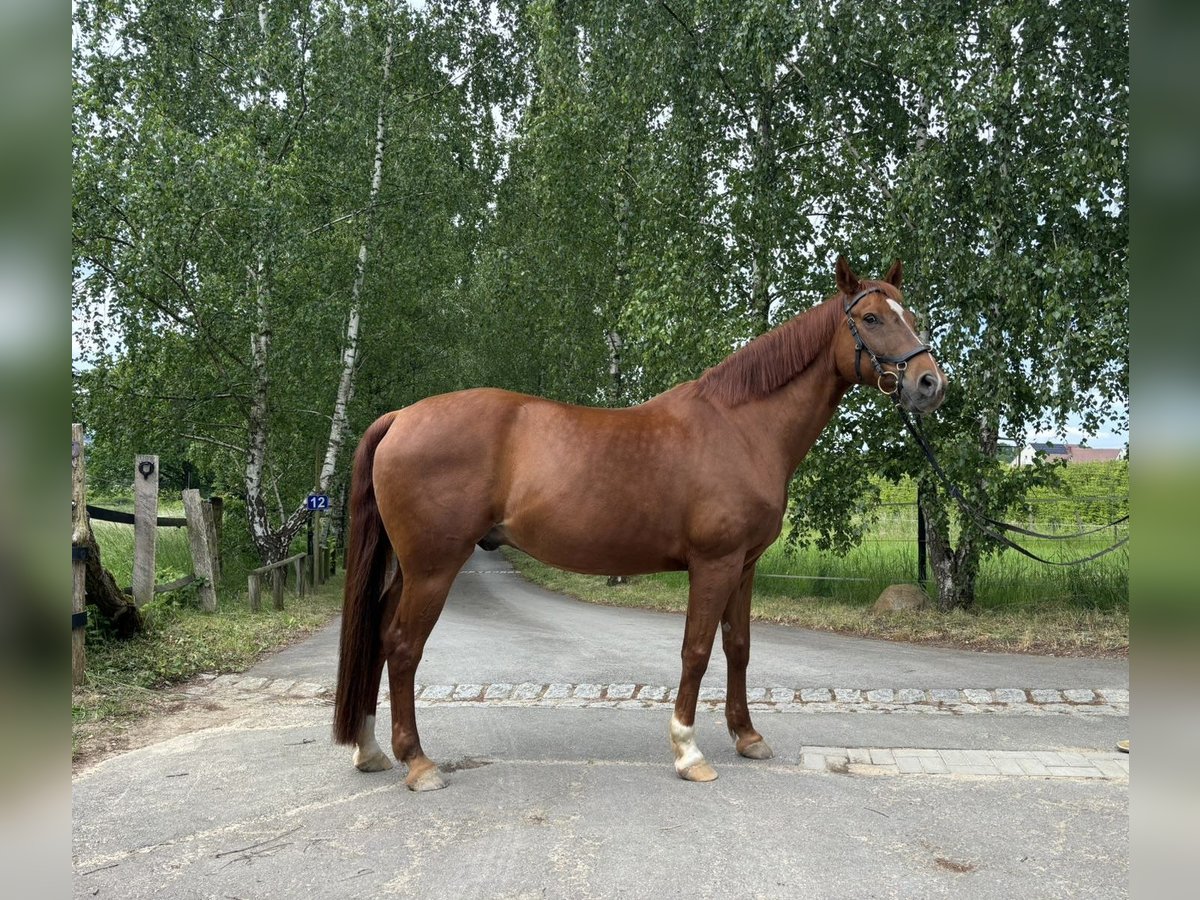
<point x="847" y="281"/>
<point x="895" y="274"/>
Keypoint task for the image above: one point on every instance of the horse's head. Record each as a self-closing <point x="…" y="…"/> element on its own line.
<point x="879" y="345"/>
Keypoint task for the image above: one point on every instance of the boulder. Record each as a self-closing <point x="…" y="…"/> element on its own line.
<point x="901" y="596"/>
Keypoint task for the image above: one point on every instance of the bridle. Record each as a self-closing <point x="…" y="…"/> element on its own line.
<point x="993" y="528"/>
<point x="900" y="362"/>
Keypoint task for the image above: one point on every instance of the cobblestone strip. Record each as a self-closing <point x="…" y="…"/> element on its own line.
<point x="978" y="763"/>
<point x="946" y="701"/>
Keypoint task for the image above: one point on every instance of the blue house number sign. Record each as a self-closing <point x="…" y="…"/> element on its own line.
<point x="318" y="501"/>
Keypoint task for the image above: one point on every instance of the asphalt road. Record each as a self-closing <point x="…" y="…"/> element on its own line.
<point x="555" y="801"/>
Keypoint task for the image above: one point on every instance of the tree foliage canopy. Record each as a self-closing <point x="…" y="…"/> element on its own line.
<point x="590" y="201"/>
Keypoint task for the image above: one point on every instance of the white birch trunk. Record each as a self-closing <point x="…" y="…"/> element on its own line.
<point x="345" y="392"/>
<point x="260" y="345"/>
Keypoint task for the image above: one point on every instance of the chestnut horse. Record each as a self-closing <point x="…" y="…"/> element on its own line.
<point x="694" y="479"/>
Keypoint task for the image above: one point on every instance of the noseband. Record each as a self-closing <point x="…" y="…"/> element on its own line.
<point x="900" y="362"/>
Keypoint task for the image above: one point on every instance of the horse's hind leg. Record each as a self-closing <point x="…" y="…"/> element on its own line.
<point x="368" y="755"/>
<point x="735" y="638"/>
<point x="421" y="601"/>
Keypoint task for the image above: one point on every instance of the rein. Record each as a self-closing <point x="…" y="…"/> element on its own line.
<point x="993" y="528"/>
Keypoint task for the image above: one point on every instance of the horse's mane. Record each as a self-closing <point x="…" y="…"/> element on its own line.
<point x="773" y="359"/>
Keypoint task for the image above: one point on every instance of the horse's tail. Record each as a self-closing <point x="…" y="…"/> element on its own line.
<point x="367" y="553"/>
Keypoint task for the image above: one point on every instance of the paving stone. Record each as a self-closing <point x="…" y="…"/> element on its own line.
<point x="468" y="692"/>
<point x="527" y="690"/>
<point x="437" y="692"/>
<point x="225" y="681"/>
<point x="1032" y="767"/>
<point x="1008" y="766"/>
<point x="882" y="757"/>
<point x="815" y="695"/>
<point x="977" y="695"/>
<point x="655" y="692"/>
<point x="1110" y="768"/>
<point x="882" y="695"/>
<point x="909" y="765"/>
<point x="1048" y="758"/>
<point x="955" y="758"/>
<point x="825" y="751"/>
<point x="632" y="704"/>
<point x="946" y="695"/>
<point x="1075" y="771"/>
<point x="621" y="691"/>
<point x="1080" y="695"/>
<point x="909" y="752"/>
<point x="1010" y="695"/>
<point x="601" y="704"/>
<point x="813" y="761"/>
<point x="933" y="765"/>
<point x="207" y="676"/>
<point x="712" y="693"/>
<point x="557" y="691"/>
<point x="498" y="691"/>
<point x="973" y="770"/>
<point x="782" y="695"/>
<point x="1046" y="696"/>
<point x="910" y="695"/>
<point x="252" y="683"/>
<point x="859" y="755"/>
<point x="1074" y="759"/>
<point x="589" y="691"/>
<point x="847" y="695"/>
<point x="756" y="695"/>
<point x="281" y="686"/>
<point x="1115" y="695"/>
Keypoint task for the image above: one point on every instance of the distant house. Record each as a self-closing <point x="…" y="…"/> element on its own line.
<point x="1071" y="453"/>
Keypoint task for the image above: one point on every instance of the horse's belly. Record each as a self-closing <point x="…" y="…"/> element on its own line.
<point x="594" y="545"/>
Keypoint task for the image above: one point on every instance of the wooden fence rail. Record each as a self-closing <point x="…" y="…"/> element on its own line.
<point x="276" y="569"/>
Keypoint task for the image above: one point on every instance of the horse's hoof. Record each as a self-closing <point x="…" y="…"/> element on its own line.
<point x="427" y="780"/>
<point x="700" y="771"/>
<point x="376" y="762"/>
<point x="760" y="749"/>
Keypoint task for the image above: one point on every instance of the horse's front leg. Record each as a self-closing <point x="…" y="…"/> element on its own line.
<point x="735" y="638"/>
<point x="712" y="583"/>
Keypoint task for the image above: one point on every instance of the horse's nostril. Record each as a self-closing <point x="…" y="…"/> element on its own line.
<point x="929" y="382"/>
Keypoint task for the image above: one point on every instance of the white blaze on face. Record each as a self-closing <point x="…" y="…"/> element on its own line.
<point x="683" y="739"/>
<point x="900" y="315"/>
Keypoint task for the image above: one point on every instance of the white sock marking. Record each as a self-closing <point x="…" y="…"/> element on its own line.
<point x="366" y="747"/>
<point x="683" y="740"/>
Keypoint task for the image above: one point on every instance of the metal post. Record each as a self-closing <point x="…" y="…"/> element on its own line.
<point x="922" y="573"/>
<point x="310" y="563"/>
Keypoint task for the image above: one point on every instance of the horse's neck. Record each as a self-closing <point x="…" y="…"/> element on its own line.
<point x="786" y="423"/>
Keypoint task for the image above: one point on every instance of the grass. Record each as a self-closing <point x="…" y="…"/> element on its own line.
<point x="179" y="641"/>
<point x="1020" y="606"/>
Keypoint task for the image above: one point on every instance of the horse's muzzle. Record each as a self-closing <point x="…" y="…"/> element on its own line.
<point x="925" y="393"/>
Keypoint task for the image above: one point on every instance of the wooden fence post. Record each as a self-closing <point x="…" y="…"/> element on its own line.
<point x="255" y="592"/>
<point x="210" y="528"/>
<point x="80" y="532"/>
<point x="201" y="557"/>
<point x="145" y="527"/>
<point x="277" y="587"/>
<point x="217" y="505"/>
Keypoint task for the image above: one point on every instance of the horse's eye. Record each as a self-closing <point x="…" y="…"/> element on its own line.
<point x="870" y="318"/>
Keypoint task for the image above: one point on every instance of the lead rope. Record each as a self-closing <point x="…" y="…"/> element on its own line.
<point x="987" y="524"/>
